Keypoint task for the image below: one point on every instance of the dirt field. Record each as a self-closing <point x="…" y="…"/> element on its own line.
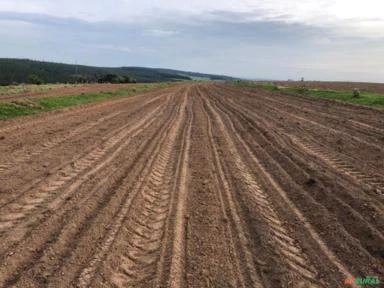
<point x="196" y="185"/>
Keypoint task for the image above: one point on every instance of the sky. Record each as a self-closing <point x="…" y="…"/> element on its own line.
<point x="339" y="40"/>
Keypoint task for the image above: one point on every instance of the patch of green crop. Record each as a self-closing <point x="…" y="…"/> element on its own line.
<point x="11" y="110"/>
<point x="365" y="98"/>
<point x="35" y="105"/>
<point x="263" y="85"/>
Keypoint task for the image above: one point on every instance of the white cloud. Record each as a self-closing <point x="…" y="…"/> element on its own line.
<point x="114" y="48"/>
<point x="324" y="13"/>
<point x="334" y="40"/>
<point x="161" y="32"/>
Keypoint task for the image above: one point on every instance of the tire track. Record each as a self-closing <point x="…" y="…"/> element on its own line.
<point x="250" y="271"/>
<point x="55" y="188"/>
<point x="339" y="164"/>
<point x="36" y="120"/>
<point x="326" y="251"/>
<point x="306" y="120"/>
<point x="288" y="249"/>
<point x="56" y="115"/>
<point x="194" y="189"/>
<point x="286" y="130"/>
<point x="146" y="222"/>
<point x="326" y="128"/>
<point x="146" y="227"/>
<point x="77" y="157"/>
<point x="26" y="155"/>
<point x="24" y="186"/>
<point x="361" y="229"/>
<point x="90" y="210"/>
<point x="314" y="107"/>
<point x="177" y="262"/>
<point x="353" y="209"/>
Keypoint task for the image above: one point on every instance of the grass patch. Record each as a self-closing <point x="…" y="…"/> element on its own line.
<point x="261" y="85"/>
<point x="26" y="88"/>
<point x="365" y="98"/>
<point x="29" y="106"/>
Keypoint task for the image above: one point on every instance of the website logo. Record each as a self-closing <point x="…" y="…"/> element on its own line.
<point x="363" y="281"/>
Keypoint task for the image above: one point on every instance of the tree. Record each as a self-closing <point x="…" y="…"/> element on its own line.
<point x="34" y="79"/>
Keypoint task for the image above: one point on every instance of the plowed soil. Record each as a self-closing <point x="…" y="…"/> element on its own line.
<point x="195" y="185"/>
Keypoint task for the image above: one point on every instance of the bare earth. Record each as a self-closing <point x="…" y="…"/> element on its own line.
<point x="196" y="185"/>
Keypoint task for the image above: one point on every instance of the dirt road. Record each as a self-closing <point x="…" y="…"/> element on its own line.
<point x="196" y="185"/>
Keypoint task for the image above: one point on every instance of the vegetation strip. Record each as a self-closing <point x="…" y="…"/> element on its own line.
<point x="27" y="106"/>
<point x="365" y="98"/>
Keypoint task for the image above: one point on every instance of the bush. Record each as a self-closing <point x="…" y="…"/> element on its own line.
<point x="113" y="78"/>
<point x="35" y="79"/>
<point x="302" y="90"/>
<point x="356" y="92"/>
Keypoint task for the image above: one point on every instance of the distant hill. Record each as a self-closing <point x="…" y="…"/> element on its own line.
<point x="25" y="70"/>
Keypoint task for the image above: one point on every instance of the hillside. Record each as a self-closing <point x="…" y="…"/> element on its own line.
<point x="20" y="71"/>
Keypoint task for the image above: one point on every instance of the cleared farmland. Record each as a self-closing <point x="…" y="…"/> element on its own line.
<point x="195" y="185"/>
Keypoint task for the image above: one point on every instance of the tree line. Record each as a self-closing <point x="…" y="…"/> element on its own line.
<point x="15" y="71"/>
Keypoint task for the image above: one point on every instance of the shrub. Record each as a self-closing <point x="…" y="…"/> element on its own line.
<point x="356" y="92"/>
<point x="35" y="79"/>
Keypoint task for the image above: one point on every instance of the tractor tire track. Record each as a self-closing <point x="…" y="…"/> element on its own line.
<point x="65" y="232"/>
<point x="360" y="123"/>
<point x="146" y="221"/>
<point x="67" y="113"/>
<point x="248" y="273"/>
<point x="284" y="140"/>
<point x="19" y="157"/>
<point x="361" y="221"/>
<point x="341" y="167"/>
<point x="337" y="162"/>
<point x="294" y="257"/>
<point x="17" y="210"/>
<point x="197" y="185"/>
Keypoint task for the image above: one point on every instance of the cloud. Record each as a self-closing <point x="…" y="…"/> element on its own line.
<point x="114" y="48"/>
<point x="161" y="32"/>
<point x="246" y="41"/>
<point x="352" y="18"/>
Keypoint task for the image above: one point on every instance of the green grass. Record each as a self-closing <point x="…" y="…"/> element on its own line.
<point x="261" y="85"/>
<point x="27" y="106"/>
<point x="365" y="98"/>
<point x="26" y="88"/>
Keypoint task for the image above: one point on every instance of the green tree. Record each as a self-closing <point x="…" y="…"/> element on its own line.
<point x="35" y="79"/>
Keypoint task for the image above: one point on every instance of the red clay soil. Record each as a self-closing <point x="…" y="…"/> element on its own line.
<point x="196" y="185"/>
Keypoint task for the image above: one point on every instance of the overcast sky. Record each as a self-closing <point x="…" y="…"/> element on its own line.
<point x="274" y="39"/>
